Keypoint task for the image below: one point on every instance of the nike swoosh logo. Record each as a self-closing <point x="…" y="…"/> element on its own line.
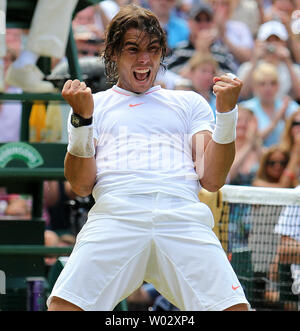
<point x="136" y="104"/>
<point x="235" y="287"/>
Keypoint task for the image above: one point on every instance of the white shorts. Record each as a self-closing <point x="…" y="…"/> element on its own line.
<point x="157" y="238"/>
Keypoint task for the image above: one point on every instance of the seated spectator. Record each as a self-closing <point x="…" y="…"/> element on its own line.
<point x="175" y="27"/>
<point x="18" y="207"/>
<point x="271" y="47"/>
<point x="279" y="10"/>
<point x="251" y="12"/>
<point x="105" y="10"/>
<point x="290" y="141"/>
<point x="10" y="111"/>
<point x="270" y="108"/>
<point x="272" y="169"/>
<point x="203" y="38"/>
<point x="283" y="11"/>
<point x="88" y="37"/>
<point x="231" y="34"/>
<point x="201" y="70"/>
<point x="84" y="24"/>
<point x="248" y="149"/>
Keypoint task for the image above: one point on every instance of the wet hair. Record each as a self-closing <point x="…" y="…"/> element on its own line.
<point x="131" y="16"/>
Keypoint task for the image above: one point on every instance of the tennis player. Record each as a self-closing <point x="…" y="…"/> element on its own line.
<point x="142" y="151"/>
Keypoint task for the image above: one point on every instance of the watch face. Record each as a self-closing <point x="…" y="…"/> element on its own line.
<point x="75" y="121"/>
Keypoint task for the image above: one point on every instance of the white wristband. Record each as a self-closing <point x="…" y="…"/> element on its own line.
<point x="225" y="130"/>
<point x="81" y="142"/>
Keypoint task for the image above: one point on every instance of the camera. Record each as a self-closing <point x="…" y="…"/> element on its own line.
<point x="270" y="48"/>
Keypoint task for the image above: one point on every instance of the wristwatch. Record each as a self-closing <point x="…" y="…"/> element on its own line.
<point x="78" y="121"/>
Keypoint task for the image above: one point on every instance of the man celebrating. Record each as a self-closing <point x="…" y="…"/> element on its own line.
<point x="142" y="151"/>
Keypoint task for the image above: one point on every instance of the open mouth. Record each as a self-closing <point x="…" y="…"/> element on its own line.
<point x="141" y="74"/>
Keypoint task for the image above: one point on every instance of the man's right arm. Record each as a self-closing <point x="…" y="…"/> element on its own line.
<point x="81" y="173"/>
<point x="80" y="163"/>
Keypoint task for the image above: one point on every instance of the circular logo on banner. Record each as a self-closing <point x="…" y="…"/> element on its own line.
<point x="22" y="151"/>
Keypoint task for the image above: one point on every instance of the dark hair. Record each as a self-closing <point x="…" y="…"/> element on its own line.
<point x="131" y="16"/>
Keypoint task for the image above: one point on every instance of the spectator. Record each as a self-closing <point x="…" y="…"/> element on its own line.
<point x="104" y="12"/>
<point x="202" y="39"/>
<point x="47" y="37"/>
<point x="271" y="172"/>
<point x="18" y="206"/>
<point x="289" y="228"/>
<point x="270" y="108"/>
<point x="10" y="112"/>
<point x="271" y="47"/>
<point x="107" y="9"/>
<point x="251" y="12"/>
<point x="291" y="141"/>
<point x="175" y="27"/>
<point x="288" y="252"/>
<point x="248" y="149"/>
<point x="201" y="70"/>
<point x="183" y="7"/>
<point x="233" y="35"/>
<point x="88" y="36"/>
<point x="282" y="10"/>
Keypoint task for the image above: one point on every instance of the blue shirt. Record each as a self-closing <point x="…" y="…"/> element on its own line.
<point x="264" y="120"/>
<point x="177" y="30"/>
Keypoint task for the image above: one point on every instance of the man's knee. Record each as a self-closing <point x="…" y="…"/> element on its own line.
<point x="58" y="304"/>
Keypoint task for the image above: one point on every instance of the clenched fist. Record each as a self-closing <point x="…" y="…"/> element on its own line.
<point x="227" y="90"/>
<point x="79" y="97"/>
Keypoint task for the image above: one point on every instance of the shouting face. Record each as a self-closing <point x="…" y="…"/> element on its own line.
<point x="138" y="61"/>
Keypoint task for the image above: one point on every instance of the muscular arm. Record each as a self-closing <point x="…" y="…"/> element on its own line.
<point x="80" y="171"/>
<point x="81" y="174"/>
<point x="214" y="164"/>
<point x="213" y="160"/>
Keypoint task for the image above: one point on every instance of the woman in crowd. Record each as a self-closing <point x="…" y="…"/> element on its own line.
<point x="274" y="169"/>
<point x="269" y="108"/>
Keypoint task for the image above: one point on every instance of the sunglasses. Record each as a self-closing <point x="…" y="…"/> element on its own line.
<point x="272" y="163"/>
<point x="294" y="123"/>
<point x="86" y="52"/>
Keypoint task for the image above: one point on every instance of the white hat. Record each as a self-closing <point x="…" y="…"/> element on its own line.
<point x="271" y="28"/>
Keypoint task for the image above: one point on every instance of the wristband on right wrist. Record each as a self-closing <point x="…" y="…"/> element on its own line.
<point x="81" y="141"/>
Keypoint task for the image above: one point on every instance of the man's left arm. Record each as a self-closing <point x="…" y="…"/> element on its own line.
<point x="213" y="154"/>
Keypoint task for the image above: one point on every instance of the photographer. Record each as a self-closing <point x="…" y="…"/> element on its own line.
<point x="271" y="47"/>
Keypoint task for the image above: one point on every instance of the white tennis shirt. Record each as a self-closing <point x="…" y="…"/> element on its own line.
<point x="143" y="140"/>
